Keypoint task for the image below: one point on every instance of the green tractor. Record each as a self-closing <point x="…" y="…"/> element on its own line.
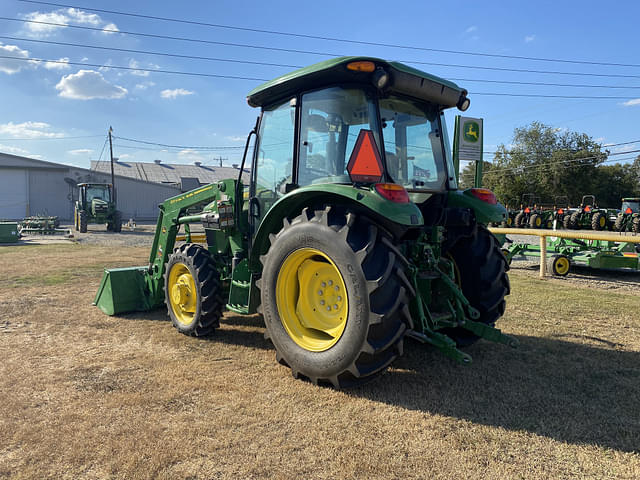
<point x="628" y="220"/>
<point x="351" y="235"/>
<point x="95" y="204"/>
<point x="587" y="216"/>
<point x="528" y="208"/>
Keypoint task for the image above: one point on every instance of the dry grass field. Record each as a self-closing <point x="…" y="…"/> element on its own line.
<point x="84" y="395"/>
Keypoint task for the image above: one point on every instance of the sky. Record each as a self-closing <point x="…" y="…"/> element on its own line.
<point x="61" y="110"/>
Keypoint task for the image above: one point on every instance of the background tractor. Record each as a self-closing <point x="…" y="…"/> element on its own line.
<point x="95" y="204"/>
<point x="528" y="208"/>
<point x="351" y="235"/>
<point x="628" y="220"/>
<point x="588" y="215"/>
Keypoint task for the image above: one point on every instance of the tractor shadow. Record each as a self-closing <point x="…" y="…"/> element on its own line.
<point x="571" y="392"/>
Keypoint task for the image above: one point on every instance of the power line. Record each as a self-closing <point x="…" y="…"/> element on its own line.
<point x="236" y="77"/>
<point x="183" y="147"/>
<point x="308" y="52"/>
<point x="198" y="57"/>
<point x="557" y="162"/>
<point x="570" y="151"/>
<point x="147" y="52"/>
<point x="47" y="138"/>
<point x="335" y="39"/>
<point x="139" y="69"/>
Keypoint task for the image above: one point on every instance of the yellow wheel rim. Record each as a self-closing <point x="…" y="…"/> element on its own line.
<point x="538" y="222"/>
<point x="312" y="299"/>
<point x="603" y="221"/>
<point x="509" y="221"/>
<point x="183" y="294"/>
<point x="561" y="265"/>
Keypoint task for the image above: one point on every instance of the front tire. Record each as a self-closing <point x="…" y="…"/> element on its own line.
<point x="192" y="291"/>
<point x="598" y="221"/>
<point x="321" y="333"/>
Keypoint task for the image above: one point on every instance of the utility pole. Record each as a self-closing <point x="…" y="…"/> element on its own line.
<point x="113" y="183"/>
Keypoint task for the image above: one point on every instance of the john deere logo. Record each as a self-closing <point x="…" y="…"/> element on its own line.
<point x="471" y="131"/>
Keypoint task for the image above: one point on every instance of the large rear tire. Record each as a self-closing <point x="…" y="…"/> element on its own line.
<point x="574" y="221"/>
<point x="334" y="297"/>
<point x="519" y="221"/>
<point x="117" y="221"/>
<point x="192" y="291"/>
<point x="83" y="221"/>
<point x="481" y="271"/>
<point x="619" y="223"/>
<point x="599" y="221"/>
<point x="635" y="225"/>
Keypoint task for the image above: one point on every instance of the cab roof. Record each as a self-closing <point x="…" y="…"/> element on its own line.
<point x="403" y="80"/>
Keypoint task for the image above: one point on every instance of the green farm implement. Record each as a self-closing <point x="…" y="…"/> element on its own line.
<point x="562" y="253"/>
<point x="96" y="204"/>
<point x="41" y="225"/>
<point x="350" y="235"/>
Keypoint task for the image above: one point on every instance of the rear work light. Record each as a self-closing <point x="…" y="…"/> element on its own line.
<point x="487" y="196"/>
<point x="392" y="191"/>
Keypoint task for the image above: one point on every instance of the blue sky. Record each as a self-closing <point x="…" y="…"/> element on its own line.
<point x="43" y="105"/>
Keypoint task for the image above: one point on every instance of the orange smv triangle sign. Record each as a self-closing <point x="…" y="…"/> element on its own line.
<point x="365" y="164"/>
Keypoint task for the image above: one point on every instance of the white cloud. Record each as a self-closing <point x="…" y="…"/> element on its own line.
<point x="87" y="85"/>
<point x="235" y="138"/>
<point x="144" y="86"/>
<point x="529" y="38"/>
<point x="631" y="103"/>
<point x="61" y="17"/>
<point x="191" y="155"/>
<point x="139" y="73"/>
<point x="80" y="151"/>
<point x="28" y="130"/>
<point x="176" y="92"/>
<point x="471" y="29"/>
<point x="626" y="148"/>
<point x="60" y="64"/>
<point x="83" y="17"/>
<point x="13" y="150"/>
<point x="125" y="155"/>
<point x="10" y="66"/>
<point x="110" y="29"/>
<point x="42" y="29"/>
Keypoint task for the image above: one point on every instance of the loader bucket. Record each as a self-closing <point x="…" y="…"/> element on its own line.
<point x="124" y="290"/>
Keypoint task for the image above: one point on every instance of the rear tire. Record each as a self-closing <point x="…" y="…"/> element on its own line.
<point x="598" y="221"/>
<point x="619" y="223"/>
<point x="519" y="220"/>
<point x="362" y="258"/>
<point x="535" y="221"/>
<point x="192" y="290"/>
<point x="574" y="221"/>
<point x="117" y="221"/>
<point x="482" y="270"/>
<point x="82" y="221"/>
<point x="635" y="225"/>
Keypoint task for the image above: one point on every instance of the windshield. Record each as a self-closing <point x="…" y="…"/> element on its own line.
<point x="412" y="144"/>
<point x="101" y="193"/>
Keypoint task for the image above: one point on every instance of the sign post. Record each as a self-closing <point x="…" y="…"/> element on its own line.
<point x="467" y="145"/>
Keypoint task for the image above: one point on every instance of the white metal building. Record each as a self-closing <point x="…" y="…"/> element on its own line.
<point x="32" y="187"/>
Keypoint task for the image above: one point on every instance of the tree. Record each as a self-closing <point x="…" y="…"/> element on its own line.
<point x="546" y="161"/>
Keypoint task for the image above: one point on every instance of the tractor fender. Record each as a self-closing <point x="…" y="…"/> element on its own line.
<point x="396" y="217"/>
<point x="485" y="213"/>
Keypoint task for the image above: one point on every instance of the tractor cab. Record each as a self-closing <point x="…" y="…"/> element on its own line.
<point x="95" y="196"/>
<point x="630" y="205"/>
<point x="356" y="121"/>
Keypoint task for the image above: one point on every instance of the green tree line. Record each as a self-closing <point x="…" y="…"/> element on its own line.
<point x="551" y="163"/>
